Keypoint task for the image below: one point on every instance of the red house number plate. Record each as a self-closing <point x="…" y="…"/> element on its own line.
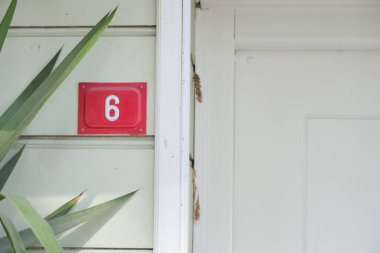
<point x="112" y="108"/>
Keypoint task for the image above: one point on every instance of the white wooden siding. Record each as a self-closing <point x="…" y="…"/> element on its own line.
<point x="96" y="251"/>
<point x="51" y="171"/>
<point x="81" y="13"/>
<point x="120" y="56"/>
<point x="56" y="163"/>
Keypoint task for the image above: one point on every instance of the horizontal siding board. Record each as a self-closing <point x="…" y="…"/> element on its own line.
<point x="114" y="58"/>
<point x="79" y="31"/>
<point x="81" y="13"/>
<point x="99" y="251"/>
<point x="93" y="142"/>
<point x="51" y="175"/>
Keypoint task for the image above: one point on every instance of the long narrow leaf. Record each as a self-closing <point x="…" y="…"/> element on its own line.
<point x="12" y="234"/>
<point x="64" y="209"/>
<point x="37" y="81"/>
<point x="65" y="222"/>
<point x="38" y="225"/>
<point x="6" y="22"/>
<point x="15" y="106"/>
<point x="7" y="169"/>
<point x="68" y="221"/>
<point x="18" y="122"/>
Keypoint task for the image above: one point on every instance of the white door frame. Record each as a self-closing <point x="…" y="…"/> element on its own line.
<point x="214" y="130"/>
<point x="172" y="228"/>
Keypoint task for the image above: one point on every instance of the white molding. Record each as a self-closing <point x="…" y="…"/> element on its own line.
<point x="80" y="32"/>
<point x="186" y="178"/>
<point x="172" y="125"/>
<point x="212" y="4"/>
<point x="362" y="44"/>
<point x="214" y="130"/>
<point x="94" y="142"/>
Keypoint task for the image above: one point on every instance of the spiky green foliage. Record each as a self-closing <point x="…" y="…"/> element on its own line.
<point x="13" y="122"/>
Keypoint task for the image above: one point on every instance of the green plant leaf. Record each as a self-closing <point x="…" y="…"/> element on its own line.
<point x="6" y="22"/>
<point x="68" y="221"/>
<point x="33" y="103"/>
<point x="12" y="234"/>
<point x="37" y="81"/>
<point x="65" y="222"/>
<point x="65" y="208"/>
<point x="7" y="169"/>
<point x="38" y="225"/>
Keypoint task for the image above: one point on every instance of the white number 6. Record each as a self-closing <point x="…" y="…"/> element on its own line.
<point x="114" y="108"/>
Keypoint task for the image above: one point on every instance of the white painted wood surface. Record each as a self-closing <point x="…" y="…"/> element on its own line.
<point x="120" y="56"/>
<point x="214" y="130"/>
<point x="81" y="13"/>
<point x="215" y="4"/>
<point x="306" y="97"/>
<point x="342" y="193"/>
<point x="57" y="164"/>
<point x="172" y="230"/>
<point x="99" y="251"/>
<point x="340" y="28"/>
<point x="52" y="171"/>
<point x="186" y="106"/>
<point x="172" y="197"/>
<point x="306" y="186"/>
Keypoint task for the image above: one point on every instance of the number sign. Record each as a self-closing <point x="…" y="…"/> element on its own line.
<point x="112" y="108"/>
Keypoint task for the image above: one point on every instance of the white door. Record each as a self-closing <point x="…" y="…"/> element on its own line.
<point x="299" y="131"/>
<point x="307" y="143"/>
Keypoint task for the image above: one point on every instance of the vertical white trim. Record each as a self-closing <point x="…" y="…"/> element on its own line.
<point x="186" y="193"/>
<point x="212" y="4"/>
<point x="172" y="218"/>
<point x="214" y="135"/>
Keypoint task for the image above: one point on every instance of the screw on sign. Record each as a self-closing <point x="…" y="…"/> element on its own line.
<point x="112" y="108"/>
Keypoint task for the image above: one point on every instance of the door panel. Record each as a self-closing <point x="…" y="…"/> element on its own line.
<point x="343" y="184"/>
<point x="305" y="25"/>
<point x="305" y="167"/>
<point x="113" y="59"/>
